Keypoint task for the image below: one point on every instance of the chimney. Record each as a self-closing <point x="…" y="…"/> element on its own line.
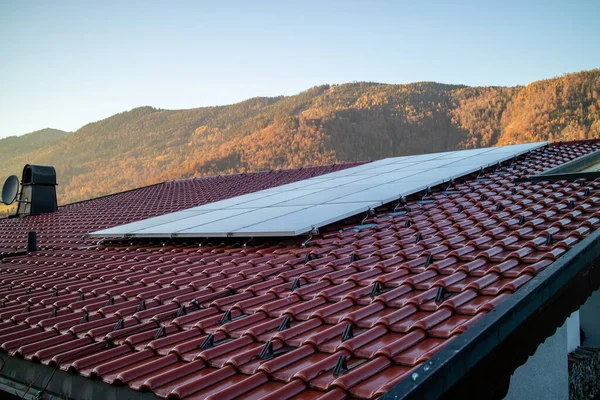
<point x="38" y="190"/>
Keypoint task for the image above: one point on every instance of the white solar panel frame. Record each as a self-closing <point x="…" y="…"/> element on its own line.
<point x="299" y="207"/>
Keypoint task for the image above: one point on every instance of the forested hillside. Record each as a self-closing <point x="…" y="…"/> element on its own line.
<point x="25" y="144"/>
<point x="325" y="124"/>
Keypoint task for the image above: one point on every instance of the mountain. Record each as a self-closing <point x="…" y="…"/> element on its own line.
<point x="28" y="143"/>
<point x="325" y="124"/>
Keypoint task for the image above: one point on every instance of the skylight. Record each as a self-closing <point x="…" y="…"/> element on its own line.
<point x="300" y="207"/>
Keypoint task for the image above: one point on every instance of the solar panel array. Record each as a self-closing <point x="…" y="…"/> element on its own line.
<point x="299" y="207"/>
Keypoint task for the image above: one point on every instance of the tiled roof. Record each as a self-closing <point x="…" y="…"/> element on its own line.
<point x="349" y="315"/>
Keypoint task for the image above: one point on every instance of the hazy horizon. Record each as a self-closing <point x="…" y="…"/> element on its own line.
<point x="66" y="64"/>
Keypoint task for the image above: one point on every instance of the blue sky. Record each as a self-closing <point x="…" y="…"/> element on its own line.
<point x="66" y="63"/>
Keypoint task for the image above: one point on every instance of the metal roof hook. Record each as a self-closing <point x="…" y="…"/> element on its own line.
<point x="401" y="201"/>
<point x="313" y="231"/>
<point x="305" y="243"/>
<point x="426" y="193"/>
<point x="370" y="212"/>
<point x="247" y="242"/>
<point x="481" y="173"/>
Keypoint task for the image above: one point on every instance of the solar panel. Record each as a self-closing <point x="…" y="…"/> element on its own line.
<point x="300" y="222"/>
<point x="150" y="222"/>
<point x="300" y="207"/>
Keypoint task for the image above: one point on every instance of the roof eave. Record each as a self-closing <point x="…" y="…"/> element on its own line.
<point x="572" y="277"/>
<point x="27" y="379"/>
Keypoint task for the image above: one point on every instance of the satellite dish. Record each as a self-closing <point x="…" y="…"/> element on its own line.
<point x="10" y="190"/>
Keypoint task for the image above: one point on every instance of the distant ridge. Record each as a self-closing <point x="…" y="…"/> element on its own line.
<point x="325" y="124"/>
<point x="29" y="142"/>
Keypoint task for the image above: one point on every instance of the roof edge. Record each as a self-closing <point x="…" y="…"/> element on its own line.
<point x="452" y="363"/>
<point x="28" y="379"/>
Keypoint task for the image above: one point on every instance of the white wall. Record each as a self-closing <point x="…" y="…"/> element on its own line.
<point x="589" y="315"/>
<point x="573" y="334"/>
<point x="545" y="375"/>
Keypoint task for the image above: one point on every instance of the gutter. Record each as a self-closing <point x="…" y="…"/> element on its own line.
<point x="31" y="380"/>
<point x="17" y="390"/>
<point x="571" y="277"/>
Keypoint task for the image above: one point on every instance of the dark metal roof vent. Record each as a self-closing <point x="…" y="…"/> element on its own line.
<point x="38" y="190"/>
